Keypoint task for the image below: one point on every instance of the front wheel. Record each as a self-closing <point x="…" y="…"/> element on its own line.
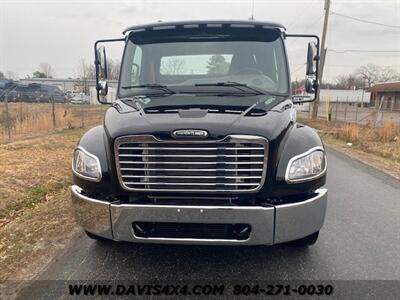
<point x="306" y="241"/>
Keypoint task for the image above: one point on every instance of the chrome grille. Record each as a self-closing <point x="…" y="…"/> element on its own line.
<point x="235" y="164"/>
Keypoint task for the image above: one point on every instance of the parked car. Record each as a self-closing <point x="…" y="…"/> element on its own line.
<point x="80" y="98"/>
<point x="36" y="93"/>
<point x="49" y="93"/>
<point x="21" y="93"/>
<point x="202" y="145"/>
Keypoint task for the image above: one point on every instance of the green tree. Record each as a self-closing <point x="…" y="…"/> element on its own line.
<point x="2" y="75"/>
<point x="38" y="74"/>
<point x="217" y="65"/>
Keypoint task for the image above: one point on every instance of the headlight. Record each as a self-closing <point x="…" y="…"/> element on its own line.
<point x="86" y="165"/>
<point x="306" y="166"/>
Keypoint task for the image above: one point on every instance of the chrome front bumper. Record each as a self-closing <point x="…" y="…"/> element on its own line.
<point x="270" y="225"/>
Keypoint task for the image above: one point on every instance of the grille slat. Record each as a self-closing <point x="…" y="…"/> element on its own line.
<point x="191" y="156"/>
<point x="234" y="164"/>
<point x="188" y="183"/>
<point x="194" y="162"/>
<point x="191" y="170"/>
<point x="193" y="177"/>
<point x="183" y="148"/>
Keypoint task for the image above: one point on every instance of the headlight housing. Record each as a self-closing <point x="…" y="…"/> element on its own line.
<point x="86" y="165"/>
<point x="306" y="166"/>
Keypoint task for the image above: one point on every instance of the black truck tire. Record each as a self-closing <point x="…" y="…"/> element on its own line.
<point x="306" y="241"/>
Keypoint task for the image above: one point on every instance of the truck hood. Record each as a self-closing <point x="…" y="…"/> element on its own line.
<point x="233" y="117"/>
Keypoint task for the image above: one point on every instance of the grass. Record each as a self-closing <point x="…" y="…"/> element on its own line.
<point x="36" y="218"/>
<point x="26" y="119"/>
<point x="348" y="132"/>
<point x="388" y="131"/>
<point x="379" y="147"/>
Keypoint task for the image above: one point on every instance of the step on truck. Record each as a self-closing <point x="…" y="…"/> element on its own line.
<point x="201" y="144"/>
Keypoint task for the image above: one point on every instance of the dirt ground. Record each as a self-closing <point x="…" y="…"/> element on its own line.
<point x="35" y="213"/>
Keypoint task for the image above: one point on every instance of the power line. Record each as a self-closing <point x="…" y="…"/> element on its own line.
<point x="304" y="9"/>
<point x="363" y="51"/>
<point x="296" y="41"/>
<point x="356" y="66"/>
<point x="364" y="21"/>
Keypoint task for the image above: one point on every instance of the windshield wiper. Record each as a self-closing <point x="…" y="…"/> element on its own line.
<point x="136" y="103"/>
<point x="234" y="84"/>
<point x="238" y="85"/>
<point x="150" y="86"/>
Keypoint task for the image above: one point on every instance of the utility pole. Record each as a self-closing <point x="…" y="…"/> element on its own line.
<point x="323" y="55"/>
<point x="252" y="11"/>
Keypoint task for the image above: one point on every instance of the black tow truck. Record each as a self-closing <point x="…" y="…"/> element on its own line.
<point x="202" y="145"/>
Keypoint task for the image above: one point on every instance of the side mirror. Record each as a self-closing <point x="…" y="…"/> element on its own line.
<point x="312" y="59"/>
<point x="101" y="70"/>
<point x="311" y="84"/>
<point x="100" y="62"/>
<point x="103" y="88"/>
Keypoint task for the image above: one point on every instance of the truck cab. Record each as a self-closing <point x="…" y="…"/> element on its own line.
<point x="202" y="145"/>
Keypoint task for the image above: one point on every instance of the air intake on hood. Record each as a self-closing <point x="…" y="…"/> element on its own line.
<point x="235" y="164"/>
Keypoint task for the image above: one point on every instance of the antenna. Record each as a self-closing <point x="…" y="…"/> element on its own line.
<point x="252" y="10"/>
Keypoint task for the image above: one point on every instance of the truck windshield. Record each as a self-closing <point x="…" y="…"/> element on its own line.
<point x="192" y="65"/>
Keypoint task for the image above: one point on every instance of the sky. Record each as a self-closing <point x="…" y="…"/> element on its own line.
<point x="62" y="32"/>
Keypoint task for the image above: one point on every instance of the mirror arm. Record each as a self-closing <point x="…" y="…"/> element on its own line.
<point x="97" y="63"/>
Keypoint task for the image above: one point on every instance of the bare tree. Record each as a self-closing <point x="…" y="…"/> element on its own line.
<point x="348" y="81"/>
<point x="389" y="74"/>
<point x="341" y="81"/>
<point x="2" y="75"/>
<point x="370" y="73"/>
<point x="85" y="72"/>
<point x="113" y="68"/>
<point x="11" y="75"/>
<point x="173" y="66"/>
<point x="47" y="69"/>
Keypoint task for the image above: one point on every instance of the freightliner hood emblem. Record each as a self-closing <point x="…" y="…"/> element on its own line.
<point x="190" y="133"/>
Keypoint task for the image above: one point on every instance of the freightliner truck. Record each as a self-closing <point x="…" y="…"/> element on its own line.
<point x="201" y="145"/>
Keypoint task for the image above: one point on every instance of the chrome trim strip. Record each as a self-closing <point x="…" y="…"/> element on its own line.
<point x="194" y="162"/>
<point x="228" y="139"/>
<point x="192" y="177"/>
<point x="175" y="148"/>
<point x="189" y="240"/>
<point x="194" y="155"/>
<point x="190" y="183"/>
<point x="197" y="170"/>
<point x="93" y="179"/>
<point x="293" y="181"/>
